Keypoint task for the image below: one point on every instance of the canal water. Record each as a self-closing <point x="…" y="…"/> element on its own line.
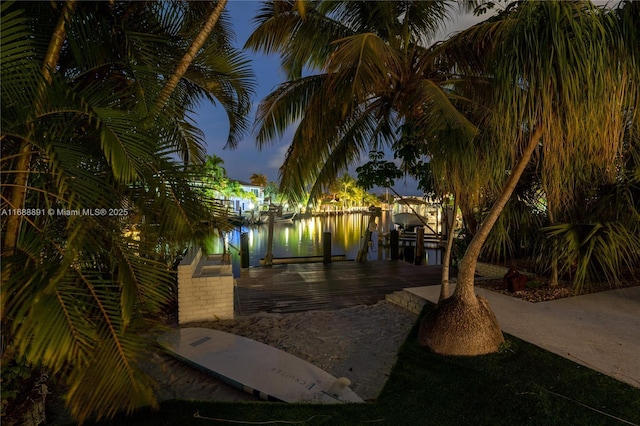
<point x="303" y="237"/>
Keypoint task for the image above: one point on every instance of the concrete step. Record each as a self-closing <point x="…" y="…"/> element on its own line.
<point x="406" y="300"/>
<point x="395" y="297"/>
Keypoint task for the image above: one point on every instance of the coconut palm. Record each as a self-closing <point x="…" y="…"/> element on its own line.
<point x="272" y="195"/>
<point x="386" y="104"/>
<point x="258" y="179"/>
<point x="214" y="169"/>
<point x="575" y="111"/>
<point x="381" y="84"/>
<point x="373" y="73"/>
<point x="83" y="276"/>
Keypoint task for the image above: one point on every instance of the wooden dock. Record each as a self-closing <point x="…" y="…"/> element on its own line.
<point x="315" y="286"/>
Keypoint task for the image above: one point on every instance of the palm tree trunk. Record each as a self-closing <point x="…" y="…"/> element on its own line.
<point x="464" y="286"/>
<point x="268" y="258"/>
<point x="19" y="191"/>
<point x="469" y="215"/>
<point x="464" y="324"/>
<point x="188" y="57"/>
<point x="446" y="260"/>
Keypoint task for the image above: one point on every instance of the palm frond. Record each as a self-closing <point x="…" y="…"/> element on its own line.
<point x="226" y="78"/>
<point x="366" y="61"/>
<point x="595" y="251"/>
<point x="80" y="288"/>
<point x="284" y="106"/>
<point x="303" y="42"/>
<point x="439" y="112"/>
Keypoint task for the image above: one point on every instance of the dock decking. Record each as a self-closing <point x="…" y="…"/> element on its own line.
<point x="315" y="286"/>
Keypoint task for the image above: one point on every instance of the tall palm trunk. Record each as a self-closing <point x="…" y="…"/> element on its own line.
<point x="446" y="260"/>
<point x="464" y="324"/>
<point x="464" y="287"/>
<point x="22" y="167"/>
<point x="188" y="57"/>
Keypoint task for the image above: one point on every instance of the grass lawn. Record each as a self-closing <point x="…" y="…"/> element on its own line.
<point x="522" y="385"/>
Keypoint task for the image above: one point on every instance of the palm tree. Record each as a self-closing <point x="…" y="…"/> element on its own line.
<point x="258" y="180"/>
<point x="214" y="168"/>
<point x="575" y="111"/>
<point x="344" y="189"/>
<point x="381" y="35"/>
<point x="189" y="56"/>
<point x="272" y="194"/>
<point x="374" y="73"/>
<point x="380" y="85"/>
<point x="18" y="193"/>
<point x="78" y="287"/>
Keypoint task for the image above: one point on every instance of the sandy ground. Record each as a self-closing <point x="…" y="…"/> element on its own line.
<point x="359" y="343"/>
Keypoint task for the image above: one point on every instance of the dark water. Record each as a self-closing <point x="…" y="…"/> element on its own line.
<point x="303" y="237"/>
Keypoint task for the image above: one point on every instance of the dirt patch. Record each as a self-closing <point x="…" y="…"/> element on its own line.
<point x="536" y="291"/>
<point x="539" y="290"/>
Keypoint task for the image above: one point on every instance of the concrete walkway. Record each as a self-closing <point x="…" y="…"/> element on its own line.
<point x="600" y="330"/>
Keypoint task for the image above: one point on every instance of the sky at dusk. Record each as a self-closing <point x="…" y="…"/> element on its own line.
<point x="246" y="159"/>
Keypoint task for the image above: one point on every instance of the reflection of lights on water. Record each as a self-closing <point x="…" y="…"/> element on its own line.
<point x="312" y="229"/>
<point x="347" y="232"/>
<point x="300" y="231"/>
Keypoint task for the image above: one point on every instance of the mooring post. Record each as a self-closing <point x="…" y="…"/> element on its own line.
<point x="244" y="250"/>
<point x="419" y="246"/>
<point x="394" y="244"/>
<point x="326" y="247"/>
<point x="268" y="258"/>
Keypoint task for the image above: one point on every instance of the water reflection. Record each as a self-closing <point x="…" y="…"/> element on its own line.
<point x="303" y="237"/>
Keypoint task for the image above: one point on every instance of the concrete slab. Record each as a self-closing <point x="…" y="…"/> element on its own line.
<point x="599" y="330"/>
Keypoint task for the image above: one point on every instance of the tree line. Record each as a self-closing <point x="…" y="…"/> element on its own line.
<point x="346" y="191"/>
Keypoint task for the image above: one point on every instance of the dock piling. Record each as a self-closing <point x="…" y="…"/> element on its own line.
<point x="394" y="242"/>
<point x="244" y="250"/>
<point x="419" y="246"/>
<point x="326" y="247"/>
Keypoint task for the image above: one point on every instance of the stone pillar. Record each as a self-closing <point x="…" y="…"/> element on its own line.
<point x="205" y="288"/>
